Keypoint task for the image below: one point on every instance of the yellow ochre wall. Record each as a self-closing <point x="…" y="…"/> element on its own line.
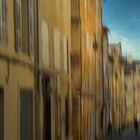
<point x="16" y="72"/>
<point x="57" y="16"/>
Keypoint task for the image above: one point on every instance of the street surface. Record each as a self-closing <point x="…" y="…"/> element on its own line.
<point x="128" y="134"/>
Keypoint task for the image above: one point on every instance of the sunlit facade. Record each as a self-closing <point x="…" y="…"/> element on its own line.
<point x="54" y="69"/>
<point x="86" y="64"/>
<point x="60" y="79"/>
<point x="17" y="90"/>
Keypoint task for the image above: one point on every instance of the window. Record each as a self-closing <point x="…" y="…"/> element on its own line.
<point x="58" y="118"/>
<point x="47" y="118"/>
<point x="85" y="40"/>
<point x="30" y="20"/>
<point x="85" y="3"/>
<point x="88" y="7"/>
<point x="18" y="24"/>
<point x="1" y="114"/>
<point x="26" y="115"/>
<point x="3" y="21"/>
<point x="57" y="49"/>
<point x="92" y="126"/>
<point x="89" y="127"/>
<point x="23" y="25"/>
<point x="58" y="84"/>
<point x="65" y="54"/>
<point x="45" y="43"/>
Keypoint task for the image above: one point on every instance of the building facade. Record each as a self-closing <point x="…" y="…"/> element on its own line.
<point x="129" y="88"/>
<point x="54" y="69"/>
<point x="136" y="79"/>
<point x="123" y="95"/>
<point x="115" y="50"/>
<point x="106" y="73"/>
<point x="17" y="91"/>
<point x="86" y="58"/>
<point x="59" y="78"/>
<point x="98" y="49"/>
<point x="82" y="64"/>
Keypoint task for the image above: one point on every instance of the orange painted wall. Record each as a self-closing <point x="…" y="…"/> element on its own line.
<point x="87" y="31"/>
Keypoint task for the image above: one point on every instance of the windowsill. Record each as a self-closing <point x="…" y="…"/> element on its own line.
<point x="3" y="45"/>
<point x="11" y="54"/>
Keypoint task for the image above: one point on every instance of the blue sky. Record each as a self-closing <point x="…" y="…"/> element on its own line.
<point x="123" y="20"/>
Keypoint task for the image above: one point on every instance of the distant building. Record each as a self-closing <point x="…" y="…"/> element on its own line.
<point x="122" y="93"/>
<point x="115" y="52"/>
<point x="136" y="87"/>
<point x="129" y="89"/>
<point x="106" y="74"/>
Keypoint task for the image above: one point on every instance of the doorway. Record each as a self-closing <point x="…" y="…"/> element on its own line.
<point x="47" y="118"/>
<point x="76" y="118"/>
<point x="47" y="107"/>
<point x="26" y="114"/>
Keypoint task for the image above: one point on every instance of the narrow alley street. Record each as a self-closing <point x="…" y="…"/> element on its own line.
<point x="128" y="134"/>
<point x="69" y="69"/>
<point x="128" y="137"/>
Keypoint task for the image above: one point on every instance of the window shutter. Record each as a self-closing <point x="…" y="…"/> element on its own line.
<point x="65" y="46"/>
<point x="57" y="49"/>
<point x="45" y="43"/>
<point x="30" y="20"/>
<point x="18" y="35"/>
<point x="26" y="115"/>
<point x="3" y="21"/>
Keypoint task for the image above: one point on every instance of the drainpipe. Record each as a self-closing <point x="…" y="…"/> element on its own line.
<point x="103" y="87"/>
<point x="95" y="49"/>
<point x="81" y="83"/>
<point x="95" y="95"/>
<point x="95" y="46"/>
<point x="36" y="72"/>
